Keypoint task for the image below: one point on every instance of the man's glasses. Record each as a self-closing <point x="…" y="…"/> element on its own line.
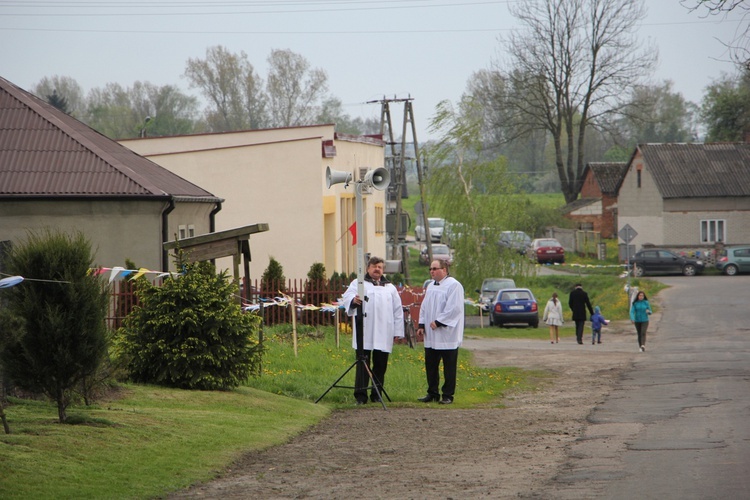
<point x="435" y="268"/>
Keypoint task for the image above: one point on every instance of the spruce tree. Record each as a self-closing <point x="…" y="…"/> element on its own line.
<point x="60" y="337"/>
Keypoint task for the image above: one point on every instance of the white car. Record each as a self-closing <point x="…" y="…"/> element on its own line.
<point x="437" y="225"/>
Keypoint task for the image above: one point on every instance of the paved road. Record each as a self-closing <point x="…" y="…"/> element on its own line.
<point x="678" y="424"/>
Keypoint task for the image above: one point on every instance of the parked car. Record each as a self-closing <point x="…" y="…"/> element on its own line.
<point x="436" y="229"/>
<point x="733" y="260"/>
<point x="515" y="240"/>
<point x="656" y="261"/>
<point x="515" y="305"/>
<point x="545" y="250"/>
<point x="488" y="291"/>
<point x="439" y="252"/>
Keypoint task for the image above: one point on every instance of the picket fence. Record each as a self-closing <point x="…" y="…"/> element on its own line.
<point x="314" y="302"/>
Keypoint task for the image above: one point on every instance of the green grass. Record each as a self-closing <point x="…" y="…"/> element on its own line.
<point x="143" y="444"/>
<point x="320" y="362"/>
<point x="150" y="441"/>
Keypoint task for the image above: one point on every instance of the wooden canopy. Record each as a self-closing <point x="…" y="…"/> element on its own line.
<point x="232" y="242"/>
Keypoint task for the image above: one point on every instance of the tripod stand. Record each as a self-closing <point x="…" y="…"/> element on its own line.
<point x="363" y="366"/>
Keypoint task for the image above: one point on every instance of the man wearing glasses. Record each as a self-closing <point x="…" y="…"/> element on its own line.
<point x="441" y="321"/>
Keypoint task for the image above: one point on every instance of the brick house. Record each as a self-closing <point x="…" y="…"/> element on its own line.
<point x="596" y="209"/>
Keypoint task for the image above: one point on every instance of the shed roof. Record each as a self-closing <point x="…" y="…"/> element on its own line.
<point x="46" y="153"/>
<point x="698" y="170"/>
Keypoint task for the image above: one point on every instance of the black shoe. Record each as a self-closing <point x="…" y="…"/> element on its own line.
<point x="360" y="402"/>
<point x="428" y="398"/>
<point x="446" y="401"/>
<point x="375" y="400"/>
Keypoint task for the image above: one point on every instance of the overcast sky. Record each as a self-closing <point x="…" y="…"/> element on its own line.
<point x="424" y="49"/>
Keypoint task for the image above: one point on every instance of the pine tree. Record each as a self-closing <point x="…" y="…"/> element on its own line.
<point x="60" y="308"/>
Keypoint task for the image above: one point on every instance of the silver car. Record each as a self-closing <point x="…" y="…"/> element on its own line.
<point x="436" y="227"/>
<point x="489" y="289"/>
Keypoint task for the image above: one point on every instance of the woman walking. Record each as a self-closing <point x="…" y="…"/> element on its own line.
<point x="639" y="313"/>
<point x="553" y="316"/>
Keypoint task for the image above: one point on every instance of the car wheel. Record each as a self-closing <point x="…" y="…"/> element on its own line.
<point x="688" y="270"/>
<point x="638" y="271"/>
<point x="730" y="270"/>
<point x="499" y="325"/>
<point x="534" y="324"/>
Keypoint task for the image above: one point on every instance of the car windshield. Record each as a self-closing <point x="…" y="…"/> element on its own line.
<point x="514" y="236"/>
<point x="439" y="249"/>
<point x="436" y="222"/>
<point x="515" y="295"/>
<point x="494" y="286"/>
<point x="548" y="243"/>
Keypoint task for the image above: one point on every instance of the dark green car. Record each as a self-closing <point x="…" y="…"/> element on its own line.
<point x="734" y="260"/>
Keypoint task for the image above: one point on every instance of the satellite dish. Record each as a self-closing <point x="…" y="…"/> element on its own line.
<point x="10" y="281"/>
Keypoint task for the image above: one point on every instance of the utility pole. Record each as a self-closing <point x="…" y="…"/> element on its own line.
<point x="395" y="163"/>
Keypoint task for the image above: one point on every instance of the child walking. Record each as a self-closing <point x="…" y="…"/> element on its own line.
<point x="597" y="321"/>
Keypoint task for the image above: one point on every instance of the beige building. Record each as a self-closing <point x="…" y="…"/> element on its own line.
<point x="277" y="176"/>
<point x="57" y="173"/>
<point x="694" y="196"/>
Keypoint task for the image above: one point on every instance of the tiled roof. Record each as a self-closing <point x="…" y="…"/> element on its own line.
<point x="47" y="153"/>
<point x="699" y="170"/>
<point x="609" y="175"/>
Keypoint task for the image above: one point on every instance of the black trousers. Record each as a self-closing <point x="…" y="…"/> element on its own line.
<point x="641" y="328"/>
<point x="580" y="326"/>
<point x="432" y="359"/>
<point x="379" y="360"/>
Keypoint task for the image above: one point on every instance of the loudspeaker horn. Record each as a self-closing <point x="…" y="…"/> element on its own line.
<point x="337" y="177"/>
<point x="378" y="178"/>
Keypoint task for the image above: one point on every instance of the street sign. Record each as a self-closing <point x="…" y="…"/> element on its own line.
<point x="627" y="233"/>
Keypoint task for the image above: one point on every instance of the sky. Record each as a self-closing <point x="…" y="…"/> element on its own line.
<point x="421" y="49"/>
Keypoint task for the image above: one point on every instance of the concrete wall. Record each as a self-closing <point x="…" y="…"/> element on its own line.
<point x="641" y="207"/>
<point x="118" y="230"/>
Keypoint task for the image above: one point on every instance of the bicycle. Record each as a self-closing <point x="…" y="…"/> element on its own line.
<point x="410" y="331"/>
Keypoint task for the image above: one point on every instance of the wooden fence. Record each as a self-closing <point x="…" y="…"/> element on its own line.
<point x="274" y="301"/>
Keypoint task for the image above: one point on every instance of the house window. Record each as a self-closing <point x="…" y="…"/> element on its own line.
<point x="638" y="178"/>
<point x="713" y="231"/>
<point x="190" y="230"/>
<point x="182" y="231"/>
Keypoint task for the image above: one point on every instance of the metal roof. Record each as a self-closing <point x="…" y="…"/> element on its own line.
<point x="47" y="153"/>
<point x="696" y="170"/>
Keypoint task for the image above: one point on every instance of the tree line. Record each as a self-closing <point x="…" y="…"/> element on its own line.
<point x="572" y="87"/>
<point x="293" y="93"/>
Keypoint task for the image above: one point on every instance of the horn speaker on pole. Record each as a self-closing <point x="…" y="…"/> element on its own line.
<point x="337" y="177"/>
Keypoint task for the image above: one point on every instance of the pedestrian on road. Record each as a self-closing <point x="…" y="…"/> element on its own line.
<point x="383" y="319"/>
<point x="553" y="316"/>
<point x="597" y="321"/>
<point x="640" y="311"/>
<point x="441" y="321"/>
<point x="578" y="301"/>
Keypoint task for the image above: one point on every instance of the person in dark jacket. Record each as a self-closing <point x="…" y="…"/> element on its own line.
<point x="578" y="301"/>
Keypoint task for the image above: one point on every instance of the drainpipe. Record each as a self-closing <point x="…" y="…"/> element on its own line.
<point x="165" y="233"/>
<point x="212" y="218"/>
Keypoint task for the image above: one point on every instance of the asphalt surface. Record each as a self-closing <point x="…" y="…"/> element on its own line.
<point x="678" y="423"/>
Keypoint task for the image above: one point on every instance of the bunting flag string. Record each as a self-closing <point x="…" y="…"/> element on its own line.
<point x="118" y="273"/>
